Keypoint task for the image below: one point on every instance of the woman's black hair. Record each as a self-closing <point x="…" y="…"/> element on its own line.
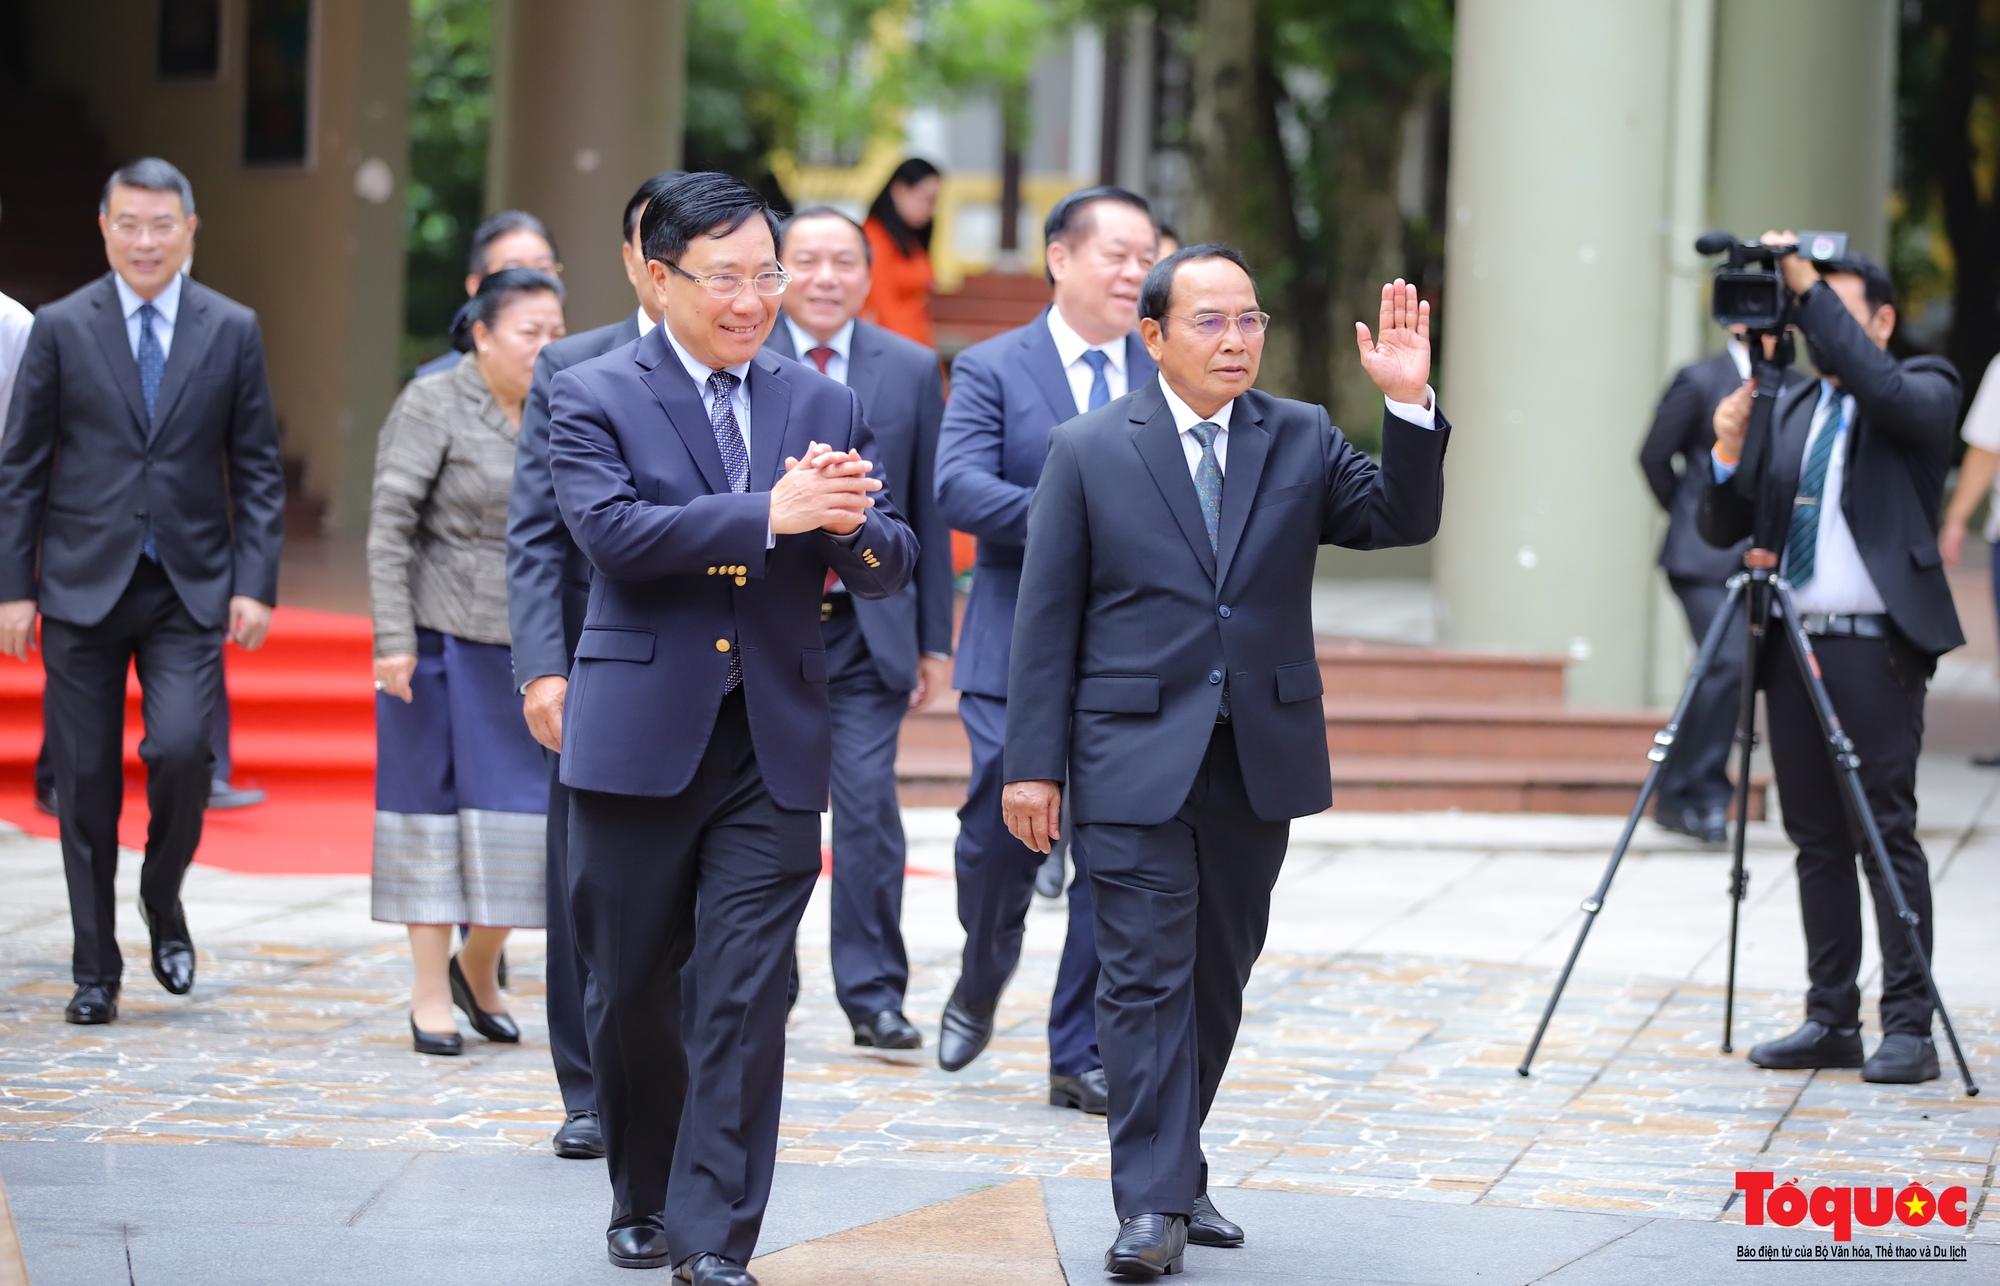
<point x="908" y="239"/>
<point x="497" y="291"/>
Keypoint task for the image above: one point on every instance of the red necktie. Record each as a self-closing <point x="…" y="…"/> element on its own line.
<point x="821" y="356"/>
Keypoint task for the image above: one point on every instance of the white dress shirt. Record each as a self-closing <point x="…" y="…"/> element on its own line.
<point x="1981" y="429"/>
<point x="1739" y="353"/>
<point x="1070" y="348"/>
<point x="1840" y="581"/>
<point x="842" y="344"/>
<point x="1424" y="417"/>
<point x="15" y="323"/>
<point x="167" y="304"/>
<point x="739" y="397"/>
<point x="646" y="325"/>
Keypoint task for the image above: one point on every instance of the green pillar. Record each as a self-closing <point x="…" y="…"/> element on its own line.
<point x="1554" y="300"/>
<point x="587" y="102"/>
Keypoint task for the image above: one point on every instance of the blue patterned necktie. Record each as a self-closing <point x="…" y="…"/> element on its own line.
<point x="736" y="463"/>
<point x="152" y="365"/>
<point x="1100" y="388"/>
<point x="1802" y="542"/>
<point x="1208" y="489"/>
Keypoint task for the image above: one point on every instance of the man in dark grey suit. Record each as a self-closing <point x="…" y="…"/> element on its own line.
<point x="885" y="657"/>
<point x="548" y="588"/>
<point x="1163" y="656"/>
<point x="141" y="511"/>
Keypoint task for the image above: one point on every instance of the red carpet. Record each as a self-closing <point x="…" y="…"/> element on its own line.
<point x="304" y="706"/>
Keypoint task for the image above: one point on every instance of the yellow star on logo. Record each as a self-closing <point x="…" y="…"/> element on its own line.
<point x="1915" y="1205"/>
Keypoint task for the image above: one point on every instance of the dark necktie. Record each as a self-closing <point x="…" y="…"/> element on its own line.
<point x="1208" y="489"/>
<point x="821" y="356"/>
<point x="1100" y="388"/>
<point x="152" y="365"/>
<point x="736" y="463"/>
<point x="1802" y="542"/>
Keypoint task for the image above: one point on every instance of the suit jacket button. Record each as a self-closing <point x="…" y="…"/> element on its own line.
<point x="1223" y="611"/>
<point x="722" y="645"/>
<point x="711" y="571"/>
<point x="1215" y="676"/>
<point x="742" y="580"/>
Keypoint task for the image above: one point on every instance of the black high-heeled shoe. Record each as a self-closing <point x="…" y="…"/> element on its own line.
<point x="426" y="1042"/>
<point x="498" y="1027"/>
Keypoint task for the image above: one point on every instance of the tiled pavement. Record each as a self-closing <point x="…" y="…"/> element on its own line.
<point x="1408" y="962"/>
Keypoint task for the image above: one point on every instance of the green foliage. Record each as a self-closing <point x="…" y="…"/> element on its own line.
<point x="451" y="114"/>
<point x="972" y="46"/>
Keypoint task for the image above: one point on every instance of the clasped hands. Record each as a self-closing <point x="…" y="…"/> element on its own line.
<point x="825" y="490"/>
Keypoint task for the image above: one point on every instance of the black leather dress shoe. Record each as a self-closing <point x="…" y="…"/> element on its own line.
<point x="1813" y="1045"/>
<point x="1148" y="1246"/>
<point x="45" y="802"/>
<point x="889" y="1030"/>
<point x="443" y="1044"/>
<point x="1710" y="825"/>
<point x="1902" y="1060"/>
<point x="498" y="1027"/>
<point x="93" y="1004"/>
<point x="639" y="1246"/>
<point x="1086" y="1093"/>
<point x="1207" y="1227"/>
<point x="173" y="953"/>
<point x="580" y="1138"/>
<point x="706" y="1269"/>
<point x="963" y="1034"/>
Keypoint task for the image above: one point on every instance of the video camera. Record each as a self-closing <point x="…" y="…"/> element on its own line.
<point x="1747" y="289"/>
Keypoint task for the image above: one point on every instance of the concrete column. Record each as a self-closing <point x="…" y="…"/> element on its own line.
<point x="587" y="101"/>
<point x="1561" y="123"/>
<point x="1805" y="105"/>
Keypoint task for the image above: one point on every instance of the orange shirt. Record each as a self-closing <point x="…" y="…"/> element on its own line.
<point x="899" y="298"/>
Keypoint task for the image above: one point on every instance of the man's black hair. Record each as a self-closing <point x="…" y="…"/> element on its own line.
<point x="496" y="226"/>
<point x="647" y="191"/>
<point x="828" y="212"/>
<point x="152" y="174"/>
<point x="1876" y="284"/>
<point x="1157" y="294"/>
<point x="1071" y="215"/>
<point x="908" y="239"/>
<point x="702" y="203"/>
<point x="497" y="290"/>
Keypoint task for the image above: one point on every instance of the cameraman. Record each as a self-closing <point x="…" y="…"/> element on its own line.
<point x="1858" y="460"/>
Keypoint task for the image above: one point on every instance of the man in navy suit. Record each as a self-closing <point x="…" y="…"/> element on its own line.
<point x="548" y="588"/>
<point x="712" y="486"/>
<point x="1163" y="663"/>
<point x="887" y="657"/>
<point x="1006" y="394"/>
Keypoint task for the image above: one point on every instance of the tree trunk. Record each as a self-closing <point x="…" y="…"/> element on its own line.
<point x="1968" y="221"/>
<point x="1367" y="243"/>
<point x="1013" y="131"/>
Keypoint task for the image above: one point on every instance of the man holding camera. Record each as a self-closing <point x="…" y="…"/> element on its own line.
<point x="1858" y="460"/>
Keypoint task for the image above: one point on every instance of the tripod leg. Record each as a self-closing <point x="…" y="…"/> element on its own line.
<point x="1847" y="769"/>
<point x="1746" y="744"/>
<point x="1663" y="742"/>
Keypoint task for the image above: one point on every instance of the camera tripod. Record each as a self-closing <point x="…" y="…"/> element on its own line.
<point x="1760" y="590"/>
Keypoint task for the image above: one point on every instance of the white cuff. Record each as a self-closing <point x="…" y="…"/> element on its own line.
<point x="1723" y="471"/>
<point x="1424" y="417"/>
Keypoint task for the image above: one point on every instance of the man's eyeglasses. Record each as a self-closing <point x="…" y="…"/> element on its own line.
<point x="728" y="285"/>
<point x="1210" y="325"/>
<point x="132" y="229"/>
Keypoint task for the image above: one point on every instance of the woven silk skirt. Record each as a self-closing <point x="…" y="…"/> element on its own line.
<point x="461" y="792"/>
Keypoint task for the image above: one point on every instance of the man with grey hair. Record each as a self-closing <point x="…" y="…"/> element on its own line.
<point x="141" y="511"/>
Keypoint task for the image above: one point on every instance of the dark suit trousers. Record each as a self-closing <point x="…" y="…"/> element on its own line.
<point x="218" y="743"/>
<point x="179" y="663"/>
<point x="1697" y="772"/>
<point x="1877" y="686"/>
<point x="870" y="969"/>
<point x="567" y="976"/>
<point x="996" y="884"/>
<point x="691" y="1120"/>
<point x="1182" y="908"/>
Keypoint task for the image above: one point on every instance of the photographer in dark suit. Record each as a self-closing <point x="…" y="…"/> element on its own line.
<point x="884" y="657"/>
<point x="1857" y="460"/>
<point x="141" y="510"/>
<point x="1694" y="790"/>
<point x="1163" y="651"/>
<point x="548" y="588"/>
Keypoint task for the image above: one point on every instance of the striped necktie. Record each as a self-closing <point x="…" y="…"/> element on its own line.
<point x="152" y="365"/>
<point x="1802" y="542"/>
<point x="736" y="463"/>
<point x="1208" y="489"/>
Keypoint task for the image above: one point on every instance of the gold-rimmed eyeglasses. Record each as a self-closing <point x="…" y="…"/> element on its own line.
<point x="129" y="229"/>
<point x="1209" y="325"/>
<point x="728" y="285"/>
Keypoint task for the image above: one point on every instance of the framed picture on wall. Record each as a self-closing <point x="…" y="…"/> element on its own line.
<point x="277" y="83"/>
<point x="190" y="45"/>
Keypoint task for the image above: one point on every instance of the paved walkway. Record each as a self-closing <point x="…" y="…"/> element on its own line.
<point x="1372" y="1128"/>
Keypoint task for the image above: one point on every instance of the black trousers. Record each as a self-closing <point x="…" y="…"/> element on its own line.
<point x="1877" y="686"/>
<point x="691" y="1120"/>
<point x="1182" y="908"/>
<point x="179" y="663"/>
<point x="1696" y="776"/>
<point x="218" y="742"/>
<point x="870" y="968"/>
<point x="568" y="977"/>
